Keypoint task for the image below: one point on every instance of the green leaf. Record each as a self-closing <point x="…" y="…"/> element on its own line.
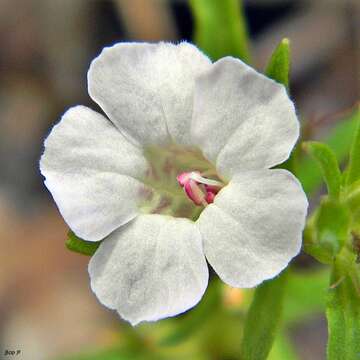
<point x="308" y="174"/>
<point x="81" y="246"/>
<point x="354" y="160"/>
<point x="343" y="315"/>
<point x="352" y="199"/>
<point x="278" y="67"/>
<point x="329" y="231"/>
<point x="328" y="164"/>
<point x="220" y="28"/>
<point x="282" y="349"/>
<point x="263" y="319"/>
<point x="333" y="222"/>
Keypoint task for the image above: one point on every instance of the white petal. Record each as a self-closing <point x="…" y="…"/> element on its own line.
<point x="151" y="268"/>
<point x="254" y="227"/>
<point x="242" y="120"/>
<point x="90" y="170"/>
<point x="147" y="89"/>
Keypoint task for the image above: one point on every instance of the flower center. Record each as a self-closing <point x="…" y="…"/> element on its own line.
<point x="171" y="166"/>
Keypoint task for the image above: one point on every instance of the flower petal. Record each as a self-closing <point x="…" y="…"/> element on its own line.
<point x="147" y="89"/>
<point x="90" y="170"/>
<point x="151" y="268"/>
<point x="242" y="120"/>
<point x="254" y="227"/>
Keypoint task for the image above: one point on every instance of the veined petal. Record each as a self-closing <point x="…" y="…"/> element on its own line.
<point x="151" y="268"/>
<point x="254" y="227"/>
<point x="242" y="120"/>
<point x="147" y="89"/>
<point x="91" y="170"/>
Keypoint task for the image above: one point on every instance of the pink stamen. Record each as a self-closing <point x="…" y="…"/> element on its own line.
<point x="200" y="190"/>
<point x="184" y="177"/>
<point x="210" y="196"/>
<point x="194" y="192"/>
<point x="212" y="189"/>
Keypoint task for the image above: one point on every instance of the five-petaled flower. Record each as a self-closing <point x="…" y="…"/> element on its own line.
<point x="177" y="122"/>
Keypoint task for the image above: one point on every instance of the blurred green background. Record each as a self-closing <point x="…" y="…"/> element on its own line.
<point x="47" y="310"/>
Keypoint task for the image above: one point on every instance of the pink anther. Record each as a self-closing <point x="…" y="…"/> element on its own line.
<point x="200" y="190"/>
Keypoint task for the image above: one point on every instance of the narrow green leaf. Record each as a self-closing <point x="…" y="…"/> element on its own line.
<point x="278" y="67"/>
<point x="333" y="222"/>
<point x="328" y="164"/>
<point x="327" y="231"/>
<point x="81" y="246"/>
<point x="308" y="174"/>
<point x="220" y="28"/>
<point x="343" y="315"/>
<point x="282" y="349"/>
<point x="352" y="199"/>
<point x="318" y="253"/>
<point x="263" y="319"/>
<point x="354" y="160"/>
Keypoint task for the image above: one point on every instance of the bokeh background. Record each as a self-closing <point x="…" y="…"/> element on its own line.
<point x="46" y="307"/>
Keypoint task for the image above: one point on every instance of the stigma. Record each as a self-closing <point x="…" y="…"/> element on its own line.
<point x="200" y="190"/>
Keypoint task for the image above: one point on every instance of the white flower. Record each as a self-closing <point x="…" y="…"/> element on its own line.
<point x="174" y="116"/>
